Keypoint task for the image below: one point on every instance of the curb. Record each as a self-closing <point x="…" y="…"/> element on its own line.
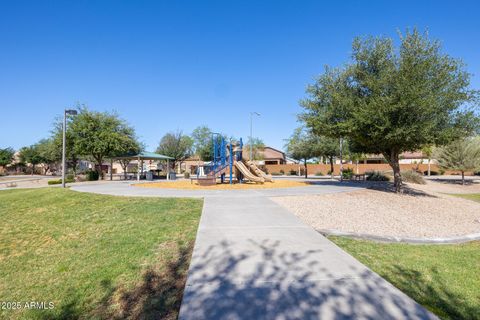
<point x="363" y="236"/>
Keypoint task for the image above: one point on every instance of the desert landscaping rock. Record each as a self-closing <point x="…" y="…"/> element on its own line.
<point x="385" y="214"/>
<point x="451" y="184"/>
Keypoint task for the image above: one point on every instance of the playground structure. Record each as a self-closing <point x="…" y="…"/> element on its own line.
<point x="228" y="158"/>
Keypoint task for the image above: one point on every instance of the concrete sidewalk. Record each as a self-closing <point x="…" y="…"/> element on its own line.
<point x="255" y="260"/>
<point x="124" y="188"/>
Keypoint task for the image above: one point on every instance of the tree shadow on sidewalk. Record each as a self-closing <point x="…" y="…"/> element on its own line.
<point x="266" y="283"/>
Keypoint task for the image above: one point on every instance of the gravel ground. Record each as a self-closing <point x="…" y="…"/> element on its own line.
<point x="382" y="213"/>
<point x="451" y="184"/>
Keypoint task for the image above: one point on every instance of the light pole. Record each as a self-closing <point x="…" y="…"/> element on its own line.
<point x="64" y="147"/>
<point x="251" y="133"/>
<point x="341" y="159"/>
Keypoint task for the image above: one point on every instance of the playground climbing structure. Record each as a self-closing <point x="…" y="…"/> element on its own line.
<point x="227" y="158"/>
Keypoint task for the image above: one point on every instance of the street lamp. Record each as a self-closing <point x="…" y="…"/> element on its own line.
<point x="64" y="162"/>
<point x="341" y="159"/>
<point x="251" y="133"/>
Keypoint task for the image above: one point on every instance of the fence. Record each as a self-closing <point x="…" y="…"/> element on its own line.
<point x="360" y="168"/>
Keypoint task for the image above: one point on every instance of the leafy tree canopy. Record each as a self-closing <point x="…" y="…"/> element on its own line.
<point x="57" y="136"/>
<point x="100" y="135"/>
<point x="461" y="155"/>
<point x="176" y="145"/>
<point x="202" y="142"/>
<point x="304" y="145"/>
<point x="49" y="152"/>
<point x="6" y="156"/>
<point x="387" y="101"/>
<point x="31" y="154"/>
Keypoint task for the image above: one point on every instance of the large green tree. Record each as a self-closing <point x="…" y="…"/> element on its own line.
<point x="71" y="156"/>
<point x="176" y="145"/>
<point x="130" y="148"/>
<point x="328" y="148"/>
<point x="31" y="155"/>
<point x="49" y="153"/>
<point x="388" y="100"/>
<point x="100" y="135"/>
<point x="460" y="155"/>
<point x="202" y="143"/>
<point x="6" y="156"/>
<point x="303" y="145"/>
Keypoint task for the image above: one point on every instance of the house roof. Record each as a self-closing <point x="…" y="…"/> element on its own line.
<point x="280" y="151"/>
<point x="272" y="153"/>
<point x="413" y="155"/>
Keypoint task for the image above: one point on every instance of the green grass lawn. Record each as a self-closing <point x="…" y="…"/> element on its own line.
<point x="470" y="196"/>
<point x="443" y="278"/>
<point x="94" y="256"/>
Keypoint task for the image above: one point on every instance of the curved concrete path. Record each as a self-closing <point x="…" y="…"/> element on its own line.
<point x="255" y="260"/>
<point x="123" y="188"/>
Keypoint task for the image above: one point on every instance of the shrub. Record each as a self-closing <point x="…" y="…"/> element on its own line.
<point x="477" y="173"/>
<point x="347" y="173"/>
<point x="412" y="177"/>
<point x="186" y="175"/>
<point x="282" y="172"/>
<point x="329" y="172"/>
<point x="442" y="172"/>
<point x="70" y="176"/>
<point x="319" y="173"/>
<point x="376" y="176"/>
<point x="293" y="172"/>
<point x="432" y="173"/>
<point x="276" y="174"/>
<point x="59" y="181"/>
<point x="92" y="175"/>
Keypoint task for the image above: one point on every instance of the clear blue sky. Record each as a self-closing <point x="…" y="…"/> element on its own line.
<point x="168" y="65"/>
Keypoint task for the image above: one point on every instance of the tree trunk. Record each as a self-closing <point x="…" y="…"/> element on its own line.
<point x="331" y="165"/>
<point x="463" y="178"/>
<point x="356" y="166"/>
<point x="124" y="167"/>
<point x="429" y="160"/>
<point x="306" y="173"/>
<point x="99" y="169"/>
<point x="74" y="166"/>
<point x="111" y="170"/>
<point x="393" y="161"/>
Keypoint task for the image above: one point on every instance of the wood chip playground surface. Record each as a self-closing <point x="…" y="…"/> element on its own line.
<point x="188" y="185"/>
